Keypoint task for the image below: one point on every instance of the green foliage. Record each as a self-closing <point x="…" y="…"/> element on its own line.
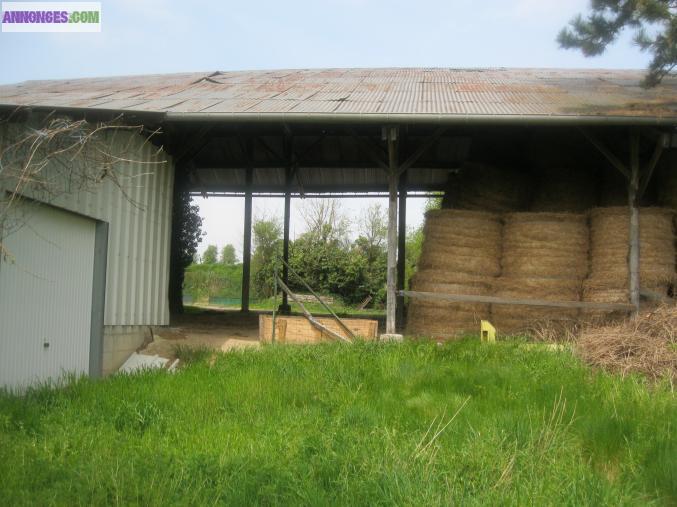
<point x="186" y="236"/>
<point x="267" y="251"/>
<point x="217" y="280"/>
<point x="654" y="23"/>
<point x="369" y="424"/>
<point x="228" y="255"/>
<point x="210" y="255"/>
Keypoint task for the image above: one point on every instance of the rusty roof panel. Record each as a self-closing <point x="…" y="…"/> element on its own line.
<point x="434" y="91"/>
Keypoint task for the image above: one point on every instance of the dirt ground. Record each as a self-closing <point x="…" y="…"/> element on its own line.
<point x="218" y="329"/>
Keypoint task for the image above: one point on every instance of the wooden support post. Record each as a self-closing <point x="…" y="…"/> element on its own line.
<point x="393" y="180"/>
<point x="401" y="249"/>
<point x="285" y="309"/>
<point x="247" y="242"/>
<point x="633" y="189"/>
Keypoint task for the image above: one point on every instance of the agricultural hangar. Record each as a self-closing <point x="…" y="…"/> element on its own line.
<point x="85" y="267"/>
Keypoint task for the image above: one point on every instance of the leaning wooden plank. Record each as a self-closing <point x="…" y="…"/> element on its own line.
<point x="466" y="298"/>
<point x="325" y="305"/>
<point x="309" y="316"/>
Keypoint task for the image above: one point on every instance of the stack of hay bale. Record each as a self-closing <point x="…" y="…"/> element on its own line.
<point x="609" y="272"/>
<point x="545" y="256"/>
<point x="483" y="187"/>
<point x="461" y="255"/>
<point x="667" y="179"/>
<point x="565" y="190"/>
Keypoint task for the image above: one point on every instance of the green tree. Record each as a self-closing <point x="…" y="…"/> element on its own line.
<point x="228" y="255"/>
<point x="186" y="236"/>
<point x="653" y="21"/>
<point x="210" y="254"/>
<point x="267" y="249"/>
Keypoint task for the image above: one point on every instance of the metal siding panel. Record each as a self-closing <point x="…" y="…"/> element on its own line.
<point x="138" y="247"/>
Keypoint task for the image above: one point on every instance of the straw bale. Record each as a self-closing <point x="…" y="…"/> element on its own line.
<point x="489" y="188"/>
<point x="545" y="245"/>
<point x="564" y="189"/>
<point x="445" y="319"/>
<point x="512" y="317"/>
<point x="609" y="248"/>
<point x="667" y="181"/>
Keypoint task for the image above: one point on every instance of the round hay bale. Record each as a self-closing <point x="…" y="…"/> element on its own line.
<point x="488" y="188"/>
<point x="446" y="319"/>
<point x="545" y="245"/>
<point x="609" y="247"/>
<point x="564" y="190"/>
<point x="518" y="317"/>
<point x="667" y="181"/>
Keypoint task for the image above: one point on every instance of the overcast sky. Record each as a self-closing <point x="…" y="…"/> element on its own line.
<point x="156" y="36"/>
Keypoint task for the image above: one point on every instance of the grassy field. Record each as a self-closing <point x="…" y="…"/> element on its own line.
<point x="368" y="424"/>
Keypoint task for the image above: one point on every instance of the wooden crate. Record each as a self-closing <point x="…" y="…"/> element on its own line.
<point x="299" y="330"/>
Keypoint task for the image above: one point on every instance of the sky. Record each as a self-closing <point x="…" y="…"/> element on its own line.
<point x="163" y="36"/>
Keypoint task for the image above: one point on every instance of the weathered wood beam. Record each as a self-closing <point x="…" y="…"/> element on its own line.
<point x="647" y="173"/>
<point x="309" y="315"/>
<point x="468" y="298"/>
<point x="613" y="159"/>
<point x="247" y="240"/>
<point x="393" y="180"/>
<point x="401" y="248"/>
<point x="422" y="149"/>
<point x="633" y="239"/>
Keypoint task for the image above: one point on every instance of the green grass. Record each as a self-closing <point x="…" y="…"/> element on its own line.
<point x="335" y="424"/>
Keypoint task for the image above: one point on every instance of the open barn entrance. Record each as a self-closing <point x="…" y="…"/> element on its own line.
<point x="554" y="175"/>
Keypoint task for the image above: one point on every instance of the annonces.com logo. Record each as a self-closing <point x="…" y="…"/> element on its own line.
<point x="51" y="16"/>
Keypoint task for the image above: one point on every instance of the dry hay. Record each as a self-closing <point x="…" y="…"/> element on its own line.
<point x="564" y="190"/>
<point x="547" y="245"/>
<point x="512" y="318"/>
<point x="445" y="319"/>
<point x="646" y="343"/>
<point x="667" y="181"/>
<point x="461" y="242"/>
<point x="609" y="272"/>
<point x="489" y="188"/>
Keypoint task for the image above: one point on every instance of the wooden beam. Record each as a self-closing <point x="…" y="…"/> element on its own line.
<point x="467" y="298"/>
<point x="606" y="152"/>
<point x="247" y="241"/>
<point x="647" y="173"/>
<point x="633" y="238"/>
<point x="321" y="301"/>
<point x="422" y="149"/>
<point x="393" y="180"/>
<point x="370" y="151"/>
<point x="309" y="316"/>
<point x="401" y="248"/>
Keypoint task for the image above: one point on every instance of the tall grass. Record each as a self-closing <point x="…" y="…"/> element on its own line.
<point x="369" y="424"/>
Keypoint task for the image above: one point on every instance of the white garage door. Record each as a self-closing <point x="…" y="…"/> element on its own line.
<point x="46" y="296"/>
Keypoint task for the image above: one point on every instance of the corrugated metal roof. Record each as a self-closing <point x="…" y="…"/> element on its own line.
<point x="363" y="92"/>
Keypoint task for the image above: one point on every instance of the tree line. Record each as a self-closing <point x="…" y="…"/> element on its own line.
<point x="324" y="255"/>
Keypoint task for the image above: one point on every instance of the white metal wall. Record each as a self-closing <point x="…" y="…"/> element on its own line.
<point x="46" y="296"/>
<point x="139" y="215"/>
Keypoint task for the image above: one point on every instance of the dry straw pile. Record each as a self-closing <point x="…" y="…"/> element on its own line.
<point x="646" y="343"/>
<point x="461" y="255"/>
<point x="609" y="248"/>
<point x="565" y="190"/>
<point x="545" y="256"/>
<point x="488" y="188"/>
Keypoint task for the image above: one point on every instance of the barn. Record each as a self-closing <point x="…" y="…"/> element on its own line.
<point x="85" y="269"/>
